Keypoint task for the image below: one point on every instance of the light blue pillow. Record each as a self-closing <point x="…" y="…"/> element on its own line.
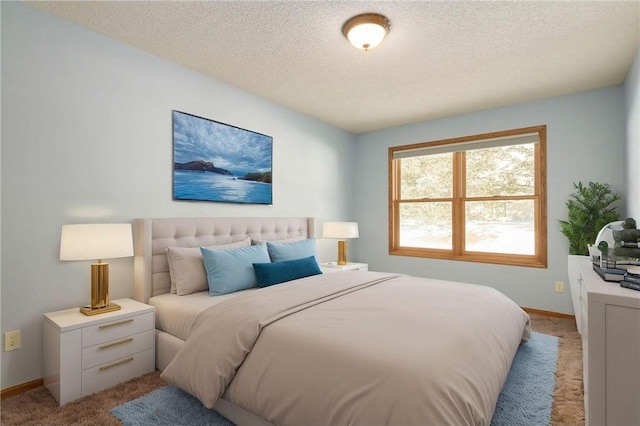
<point x="279" y="252"/>
<point x="287" y="270"/>
<point x="232" y="270"/>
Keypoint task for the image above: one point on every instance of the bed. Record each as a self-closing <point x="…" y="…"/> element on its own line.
<point x="334" y="348"/>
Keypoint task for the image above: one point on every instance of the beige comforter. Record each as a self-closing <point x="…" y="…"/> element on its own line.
<point x="361" y="348"/>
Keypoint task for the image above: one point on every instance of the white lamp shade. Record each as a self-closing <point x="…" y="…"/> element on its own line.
<point x="340" y="230"/>
<point x="96" y="241"/>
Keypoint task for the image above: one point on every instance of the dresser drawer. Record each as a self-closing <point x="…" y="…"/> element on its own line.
<point x="584" y="298"/>
<point x="116" y="329"/>
<point x="120" y="370"/>
<point x="116" y="349"/>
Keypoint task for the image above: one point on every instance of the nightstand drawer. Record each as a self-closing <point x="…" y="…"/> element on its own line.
<point x="116" y="329"/>
<point x="116" y="349"/>
<point x="120" y="370"/>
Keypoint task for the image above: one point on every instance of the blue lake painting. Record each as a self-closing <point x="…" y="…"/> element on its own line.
<point x="205" y="186"/>
<point x="214" y="161"/>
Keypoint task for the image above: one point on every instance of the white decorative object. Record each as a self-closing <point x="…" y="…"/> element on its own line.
<point x="606" y="233"/>
<point x="634" y="270"/>
<point x="594" y="253"/>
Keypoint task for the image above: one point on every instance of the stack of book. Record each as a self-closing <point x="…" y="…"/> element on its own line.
<point x="631" y="279"/>
<point x="610" y="274"/>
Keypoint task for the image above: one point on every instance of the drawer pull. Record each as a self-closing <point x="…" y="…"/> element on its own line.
<point x="121" y="342"/>
<point x="113" y="324"/>
<point x="115" y="364"/>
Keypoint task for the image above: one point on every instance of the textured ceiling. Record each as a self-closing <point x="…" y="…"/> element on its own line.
<point x="440" y="58"/>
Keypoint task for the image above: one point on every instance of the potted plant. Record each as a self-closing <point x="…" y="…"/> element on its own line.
<point x="589" y="209"/>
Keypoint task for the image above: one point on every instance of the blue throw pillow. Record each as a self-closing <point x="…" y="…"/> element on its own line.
<point x="280" y="252"/>
<point x="287" y="270"/>
<point x="232" y="270"/>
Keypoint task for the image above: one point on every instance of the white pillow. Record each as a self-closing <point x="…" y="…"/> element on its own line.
<point x="187" y="269"/>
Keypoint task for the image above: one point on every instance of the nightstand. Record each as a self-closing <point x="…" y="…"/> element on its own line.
<point x="334" y="267"/>
<point x="86" y="354"/>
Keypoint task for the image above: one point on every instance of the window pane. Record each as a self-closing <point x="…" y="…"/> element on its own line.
<point x="500" y="226"/>
<point x="425" y="225"/>
<point x="505" y="170"/>
<point x="427" y="177"/>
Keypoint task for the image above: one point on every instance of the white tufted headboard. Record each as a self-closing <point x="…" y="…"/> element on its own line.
<point x="153" y="236"/>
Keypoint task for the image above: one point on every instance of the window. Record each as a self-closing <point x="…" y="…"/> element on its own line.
<point x="477" y="198"/>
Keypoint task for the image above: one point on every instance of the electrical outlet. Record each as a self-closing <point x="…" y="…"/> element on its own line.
<point x="559" y="287"/>
<point x="11" y="340"/>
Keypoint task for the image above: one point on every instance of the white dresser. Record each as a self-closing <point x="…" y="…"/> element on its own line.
<point x="610" y="330"/>
<point x="86" y="354"/>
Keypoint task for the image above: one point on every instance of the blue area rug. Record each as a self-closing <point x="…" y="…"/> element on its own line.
<point x="525" y="400"/>
<point x="167" y="406"/>
<point x="527" y="394"/>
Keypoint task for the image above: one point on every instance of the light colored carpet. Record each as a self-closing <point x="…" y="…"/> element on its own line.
<point x="37" y="406"/>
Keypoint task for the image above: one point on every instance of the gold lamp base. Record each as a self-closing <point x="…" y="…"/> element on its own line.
<point x="99" y="291"/>
<point x="342" y="252"/>
<point x="88" y="310"/>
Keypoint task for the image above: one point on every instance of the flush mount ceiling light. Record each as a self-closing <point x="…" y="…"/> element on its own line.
<point x="366" y="31"/>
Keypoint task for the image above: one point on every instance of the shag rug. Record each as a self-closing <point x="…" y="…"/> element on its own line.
<point x="168" y="406"/>
<point x="527" y="394"/>
<point x="525" y="399"/>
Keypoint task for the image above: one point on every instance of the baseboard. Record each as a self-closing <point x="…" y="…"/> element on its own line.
<point x="18" y="389"/>
<point x="548" y="313"/>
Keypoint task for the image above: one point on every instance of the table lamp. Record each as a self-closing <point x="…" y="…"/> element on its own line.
<point x="341" y="231"/>
<point x="97" y="241"/>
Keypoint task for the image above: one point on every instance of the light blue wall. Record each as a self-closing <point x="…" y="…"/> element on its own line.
<point x="632" y="147"/>
<point x="86" y="137"/>
<point x="585" y="139"/>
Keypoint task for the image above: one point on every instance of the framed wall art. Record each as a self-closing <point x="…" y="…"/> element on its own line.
<point x="214" y="161"/>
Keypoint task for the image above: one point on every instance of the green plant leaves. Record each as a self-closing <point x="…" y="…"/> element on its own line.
<point x="589" y="209"/>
